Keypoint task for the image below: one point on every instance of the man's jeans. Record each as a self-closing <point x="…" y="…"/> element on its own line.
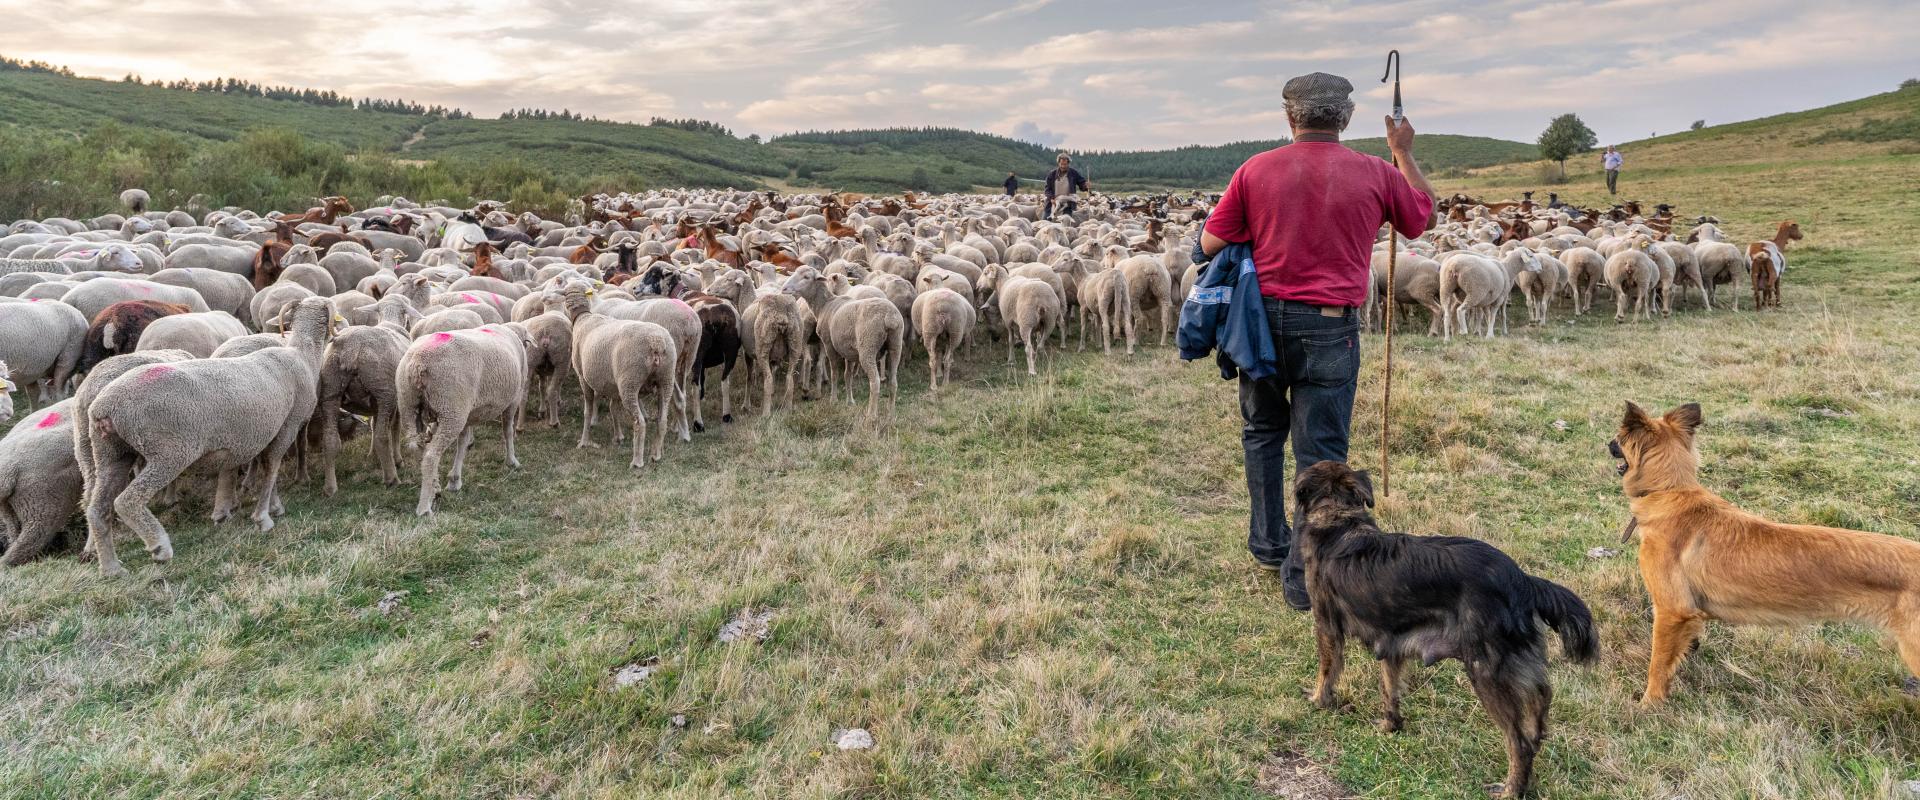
<point x="1311" y="398"/>
<point x="1613" y="181"/>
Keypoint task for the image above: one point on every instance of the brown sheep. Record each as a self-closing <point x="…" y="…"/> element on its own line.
<point x="118" y="327"/>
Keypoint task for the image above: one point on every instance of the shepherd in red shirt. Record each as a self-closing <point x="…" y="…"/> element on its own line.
<point x="1311" y="210"/>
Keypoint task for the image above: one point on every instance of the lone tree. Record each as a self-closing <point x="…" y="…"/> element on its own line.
<point x="1697" y="125"/>
<point x="1566" y="135"/>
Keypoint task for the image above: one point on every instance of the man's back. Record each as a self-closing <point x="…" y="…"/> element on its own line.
<point x="1312" y="210"/>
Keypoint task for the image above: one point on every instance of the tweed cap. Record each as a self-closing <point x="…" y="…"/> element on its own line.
<point x="1318" y="90"/>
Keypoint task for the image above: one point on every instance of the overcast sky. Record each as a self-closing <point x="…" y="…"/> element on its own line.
<point x="1084" y="73"/>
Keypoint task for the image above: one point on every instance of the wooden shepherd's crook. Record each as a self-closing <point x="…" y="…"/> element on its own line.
<point x="1393" y="257"/>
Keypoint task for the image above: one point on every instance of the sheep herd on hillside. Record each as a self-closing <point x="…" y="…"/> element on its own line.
<point x="202" y="350"/>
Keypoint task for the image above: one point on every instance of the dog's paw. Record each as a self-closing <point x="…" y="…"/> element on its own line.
<point x="1390" y="725"/>
<point x="1499" y="790"/>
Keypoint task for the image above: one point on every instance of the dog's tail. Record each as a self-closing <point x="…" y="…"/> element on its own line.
<point x="1566" y="614"/>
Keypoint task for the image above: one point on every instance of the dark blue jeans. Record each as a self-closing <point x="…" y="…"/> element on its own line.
<point x="1310" y="398"/>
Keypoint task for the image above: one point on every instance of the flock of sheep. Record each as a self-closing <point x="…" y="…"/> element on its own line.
<point x="212" y="346"/>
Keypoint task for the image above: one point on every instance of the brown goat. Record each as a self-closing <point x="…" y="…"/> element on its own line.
<point x="330" y="209"/>
<point x="117" y="328"/>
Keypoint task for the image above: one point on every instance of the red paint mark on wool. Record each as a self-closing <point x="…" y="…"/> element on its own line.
<point x="50" y="420"/>
<point x="154" y="373"/>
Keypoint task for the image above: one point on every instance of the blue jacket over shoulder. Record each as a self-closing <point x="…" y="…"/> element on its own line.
<point x="1225" y="313"/>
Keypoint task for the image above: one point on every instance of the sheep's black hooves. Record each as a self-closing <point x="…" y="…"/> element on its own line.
<point x="726" y="418"/>
<point x="699" y="427"/>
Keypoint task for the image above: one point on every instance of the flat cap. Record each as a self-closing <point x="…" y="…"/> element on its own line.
<point x="1317" y="89"/>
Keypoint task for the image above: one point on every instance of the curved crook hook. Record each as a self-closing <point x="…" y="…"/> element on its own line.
<point x="1393" y="71"/>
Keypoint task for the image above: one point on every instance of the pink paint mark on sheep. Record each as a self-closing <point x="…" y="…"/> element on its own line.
<point x="469" y="298"/>
<point x="437" y="339"/>
<point x="683" y="303"/>
<point x="489" y="331"/>
<point x="144" y="289"/>
<point x="51" y="419"/>
<point x="154" y="373"/>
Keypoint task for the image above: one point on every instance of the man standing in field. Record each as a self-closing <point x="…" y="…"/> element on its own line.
<point x="1012" y="184"/>
<point x="1612" y="160"/>
<point x="1062" y="183"/>
<point x="1311" y="210"/>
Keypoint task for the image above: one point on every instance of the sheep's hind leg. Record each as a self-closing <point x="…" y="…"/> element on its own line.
<point x="131" y="506"/>
<point x="264" y="508"/>
<point x="224" y="490"/>
<point x="458" y="470"/>
<point x="443" y="437"/>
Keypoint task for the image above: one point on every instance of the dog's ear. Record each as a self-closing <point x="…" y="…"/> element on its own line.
<point x="1636" y="418"/>
<point x="1686" y="418"/>
<point x="1364" y="483"/>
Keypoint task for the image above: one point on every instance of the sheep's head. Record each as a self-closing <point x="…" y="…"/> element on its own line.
<point x="1791" y="229"/>
<point x="118" y="258"/>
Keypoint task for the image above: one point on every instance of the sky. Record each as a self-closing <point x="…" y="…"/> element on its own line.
<point x="1085" y="74"/>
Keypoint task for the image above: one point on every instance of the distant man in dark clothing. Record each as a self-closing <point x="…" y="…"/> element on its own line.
<point x="1311" y="210"/>
<point x="1062" y="184"/>
<point x="1012" y="184"/>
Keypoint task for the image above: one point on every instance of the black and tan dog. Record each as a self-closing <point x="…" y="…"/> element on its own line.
<point x="1703" y="559"/>
<point x="1432" y="598"/>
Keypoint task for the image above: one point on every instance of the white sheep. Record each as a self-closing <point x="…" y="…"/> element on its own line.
<point x="944" y="319"/>
<point x="620" y="360"/>
<point x="41" y="342"/>
<point x="40" y="485"/>
<point x="200" y="333"/>
<point x="457" y="379"/>
<point x="221" y="414"/>
<point x="1475" y="287"/>
<point x="1632" y="274"/>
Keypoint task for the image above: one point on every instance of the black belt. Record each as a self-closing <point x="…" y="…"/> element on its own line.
<point x="1309" y="308"/>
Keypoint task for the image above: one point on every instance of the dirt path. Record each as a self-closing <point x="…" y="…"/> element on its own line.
<point x="417" y="137"/>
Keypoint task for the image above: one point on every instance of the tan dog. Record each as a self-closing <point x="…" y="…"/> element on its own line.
<point x="1703" y="559"/>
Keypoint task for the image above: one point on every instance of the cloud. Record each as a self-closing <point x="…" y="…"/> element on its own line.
<point x="1019" y="9"/>
<point x="1027" y="131"/>
<point x="1120" y="74"/>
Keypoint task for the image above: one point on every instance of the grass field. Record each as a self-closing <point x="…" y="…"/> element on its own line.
<point x="1032" y="588"/>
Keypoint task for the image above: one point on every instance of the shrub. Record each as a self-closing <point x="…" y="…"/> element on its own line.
<point x="1697" y="125"/>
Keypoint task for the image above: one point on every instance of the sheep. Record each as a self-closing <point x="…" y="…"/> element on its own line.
<point x="222" y="291"/>
<point x="92" y="297"/>
<point x="550" y="356"/>
<point x="111" y="258"/>
<point x="7" y="388"/>
<point x="1152" y="288"/>
<point x="943" y="319"/>
<point x="1686" y="269"/>
<point x="1536" y="281"/>
<point x="136" y="200"/>
<point x="1663" y="284"/>
<point x="1109" y="298"/>
<point x="1471" y="284"/>
<point x="456" y="379"/>
<point x="779" y="337"/>
<point x="720" y="344"/>
<point x="684" y="323"/>
<point x="96" y="380"/>
<point x="214" y="413"/>
<point x="234" y="259"/>
<point x="357" y="375"/>
<point x="40" y="484"/>
<point x="199" y="333"/>
<point x="869" y="332"/>
<point x="1632" y="270"/>
<point x="1718" y="263"/>
<point x="1028" y="309"/>
<point x="1586" y="268"/>
<point x="42" y="341"/>
<point x="446" y="319"/>
<point x="317" y="280"/>
<point x="621" y="359"/>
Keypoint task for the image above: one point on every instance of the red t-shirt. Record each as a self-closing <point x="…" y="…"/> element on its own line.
<point x="1312" y="211"/>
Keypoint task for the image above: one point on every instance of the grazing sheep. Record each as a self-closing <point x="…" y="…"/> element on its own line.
<point x="220" y="414"/>
<point x="40" y="484"/>
<point x="136" y="200"/>
<point x="869" y="332"/>
<point x="1686" y="270"/>
<point x="446" y="319"/>
<point x="93" y="297"/>
<point x="456" y="379"/>
<point x="97" y="379"/>
<point x="111" y="258"/>
<point x="621" y="359"/>
<point x="1152" y="288"/>
<point x="1586" y="269"/>
<point x="1109" y="298"/>
<point x="222" y="291"/>
<point x="199" y="333"/>
<point x="683" y="322"/>
<point x="317" y="280"/>
<point x="779" y="338"/>
<point x="235" y="258"/>
<point x="118" y="328"/>
<point x="357" y="376"/>
<point x="720" y="344"/>
<point x="1028" y="311"/>
<point x="943" y="319"/>
<point x="1471" y="285"/>
<point x="549" y="357"/>
<point x="42" y="341"/>
<point x="1632" y="274"/>
<point x="1720" y="262"/>
<point x="1537" y="282"/>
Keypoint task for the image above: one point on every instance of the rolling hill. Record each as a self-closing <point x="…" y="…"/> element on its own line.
<point x="51" y="103"/>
